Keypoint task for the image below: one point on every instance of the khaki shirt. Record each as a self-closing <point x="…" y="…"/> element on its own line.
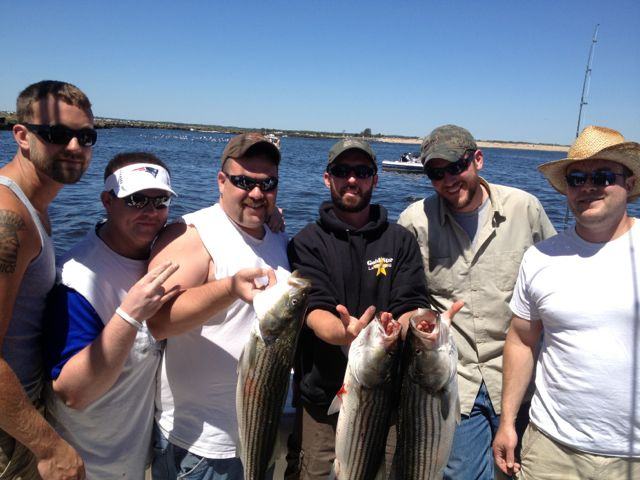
<point x="483" y="276"/>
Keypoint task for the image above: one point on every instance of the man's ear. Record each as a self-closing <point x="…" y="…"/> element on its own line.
<point x="630" y="183"/>
<point x="107" y="199"/>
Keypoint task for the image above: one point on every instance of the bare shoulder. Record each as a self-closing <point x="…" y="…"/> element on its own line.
<point x="171" y="236"/>
<point x="19" y="244"/>
<point x="181" y="244"/>
<point x="19" y="239"/>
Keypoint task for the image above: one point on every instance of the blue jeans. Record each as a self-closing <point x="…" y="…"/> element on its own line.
<point x="171" y="462"/>
<point x="471" y="455"/>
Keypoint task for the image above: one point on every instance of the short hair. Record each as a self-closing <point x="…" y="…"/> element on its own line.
<point x="129" y="158"/>
<point x="66" y="92"/>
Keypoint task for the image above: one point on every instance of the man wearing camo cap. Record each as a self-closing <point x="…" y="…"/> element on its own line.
<point x="472" y="235"/>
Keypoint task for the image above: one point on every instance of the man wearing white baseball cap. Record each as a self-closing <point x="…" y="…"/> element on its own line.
<point x="99" y="354"/>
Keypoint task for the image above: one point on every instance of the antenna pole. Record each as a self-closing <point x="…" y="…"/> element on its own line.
<point x="587" y="78"/>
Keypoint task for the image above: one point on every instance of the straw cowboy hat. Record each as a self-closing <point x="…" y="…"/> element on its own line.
<point x="596" y="142"/>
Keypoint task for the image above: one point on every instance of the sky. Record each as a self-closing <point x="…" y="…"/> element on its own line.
<point x="508" y="70"/>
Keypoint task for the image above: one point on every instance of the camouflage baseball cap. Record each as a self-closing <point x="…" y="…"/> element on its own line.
<point x="239" y="145"/>
<point x="351" y="143"/>
<point x="448" y="142"/>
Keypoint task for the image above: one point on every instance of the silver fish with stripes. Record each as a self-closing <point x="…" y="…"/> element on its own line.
<point x="264" y="369"/>
<point x="366" y="401"/>
<point x="429" y="404"/>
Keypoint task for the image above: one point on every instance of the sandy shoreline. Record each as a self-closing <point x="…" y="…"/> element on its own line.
<point x="481" y="144"/>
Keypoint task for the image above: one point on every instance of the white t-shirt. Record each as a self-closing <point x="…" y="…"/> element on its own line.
<point x="196" y="401"/>
<point x="587" y="376"/>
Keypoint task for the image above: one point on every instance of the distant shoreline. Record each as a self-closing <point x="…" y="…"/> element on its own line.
<point x="483" y="144"/>
<point x="8" y="119"/>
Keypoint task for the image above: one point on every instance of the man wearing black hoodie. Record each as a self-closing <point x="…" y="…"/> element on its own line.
<point x="359" y="264"/>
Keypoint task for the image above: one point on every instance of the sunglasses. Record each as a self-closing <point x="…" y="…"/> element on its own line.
<point x="599" y="178"/>
<point x="454" y="168"/>
<point x="341" y="170"/>
<point x="247" y="183"/>
<point x="140" y="200"/>
<point x="62" y="135"/>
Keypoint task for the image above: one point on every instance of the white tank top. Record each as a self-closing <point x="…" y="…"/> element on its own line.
<point x="22" y="348"/>
<point x="197" y="379"/>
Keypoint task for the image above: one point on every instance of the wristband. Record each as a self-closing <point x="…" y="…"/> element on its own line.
<point x="129" y="319"/>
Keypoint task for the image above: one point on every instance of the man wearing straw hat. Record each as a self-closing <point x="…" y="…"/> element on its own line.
<point x="581" y="289"/>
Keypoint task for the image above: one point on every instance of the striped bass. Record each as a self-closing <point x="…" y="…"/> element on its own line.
<point x="366" y="401"/>
<point x="429" y="404"/>
<point x="264" y="369"/>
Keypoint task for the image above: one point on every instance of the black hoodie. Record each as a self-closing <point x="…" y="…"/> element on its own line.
<point x="378" y="264"/>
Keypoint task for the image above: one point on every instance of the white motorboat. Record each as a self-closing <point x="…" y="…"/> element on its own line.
<point x="409" y="162"/>
<point x="273" y="139"/>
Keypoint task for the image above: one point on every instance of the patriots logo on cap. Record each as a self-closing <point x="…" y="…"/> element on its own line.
<point x="151" y="170"/>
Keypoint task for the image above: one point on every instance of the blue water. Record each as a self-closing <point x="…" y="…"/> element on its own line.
<point x="194" y="158"/>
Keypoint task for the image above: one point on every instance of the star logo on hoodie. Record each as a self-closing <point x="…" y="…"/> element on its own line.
<point x="380" y="265"/>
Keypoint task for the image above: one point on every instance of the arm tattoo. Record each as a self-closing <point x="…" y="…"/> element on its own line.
<point x="10" y="224"/>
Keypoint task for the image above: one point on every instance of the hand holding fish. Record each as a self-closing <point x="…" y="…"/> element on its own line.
<point x="386" y="320"/>
<point x="148" y="294"/>
<point x="427" y="323"/>
<point x="353" y="325"/>
<point x="245" y="284"/>
<point x="452" y="310"/>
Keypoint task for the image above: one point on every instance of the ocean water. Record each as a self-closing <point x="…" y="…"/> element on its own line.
<point x="194" y="159"/>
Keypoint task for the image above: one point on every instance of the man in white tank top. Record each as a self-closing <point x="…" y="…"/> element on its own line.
<point x="579" y="292"/>
<point x="54" y="135"/>
<point x="224" y="252"/>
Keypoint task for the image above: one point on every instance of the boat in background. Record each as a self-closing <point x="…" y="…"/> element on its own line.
<point x="409" y="162"/>
<point x="273" y="139"/>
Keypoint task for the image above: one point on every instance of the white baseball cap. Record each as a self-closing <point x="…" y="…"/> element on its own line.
<point x="136" y="177"/>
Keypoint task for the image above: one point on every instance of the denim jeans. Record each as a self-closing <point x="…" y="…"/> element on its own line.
<point x="471" y="456"/>
<point x="171" y="462"/>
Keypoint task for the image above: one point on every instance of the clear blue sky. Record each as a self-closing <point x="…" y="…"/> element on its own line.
<point x="506" y="70"/>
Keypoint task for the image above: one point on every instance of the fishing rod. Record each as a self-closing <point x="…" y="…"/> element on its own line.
<point x="585" y="91"/>
<point x="587" y="78"/>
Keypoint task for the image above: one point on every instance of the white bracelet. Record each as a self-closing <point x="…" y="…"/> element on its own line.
<point x="129" y="319"/>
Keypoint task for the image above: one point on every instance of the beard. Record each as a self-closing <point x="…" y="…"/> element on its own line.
<point x="351" y="205"/>
<point x="53" y="166"/>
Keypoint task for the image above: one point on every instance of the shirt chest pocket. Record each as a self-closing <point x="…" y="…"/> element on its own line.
<point x="500" y="270"/>
<point x="440" y="276"/>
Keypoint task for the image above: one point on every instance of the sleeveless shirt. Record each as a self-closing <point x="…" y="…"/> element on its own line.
<point x="22" y="348"/>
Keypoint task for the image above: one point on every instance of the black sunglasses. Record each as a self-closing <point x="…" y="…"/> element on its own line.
<point x="454" y="168"/>
<point x="247" y="183"/>
<point x="140" y="200"/>
<point x="599" y="178"/>
<point x="341" y="170"/>
<point x="62" y="135"/>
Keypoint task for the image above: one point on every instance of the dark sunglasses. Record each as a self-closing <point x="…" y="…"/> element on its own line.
<point x="454" y="168"/>
<point x="599" y="178"/>
<point x="62" y="135"/>
<point x="247" y="183"/>
<point x="341" y="170"/>
<point x="140" y="200"/>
